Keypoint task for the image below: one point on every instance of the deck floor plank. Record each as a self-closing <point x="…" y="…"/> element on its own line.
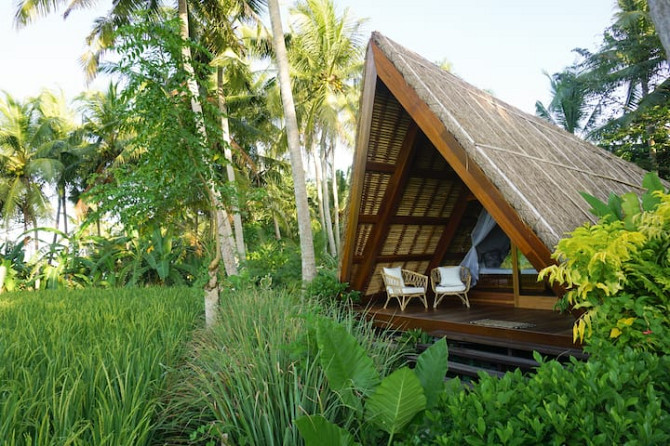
<point x="552" y="329"/>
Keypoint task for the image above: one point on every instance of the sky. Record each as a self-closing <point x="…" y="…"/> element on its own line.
<point x="502" y="46"/>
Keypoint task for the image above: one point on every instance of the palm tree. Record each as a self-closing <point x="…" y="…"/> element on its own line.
<point x="101" y="36"/>
<point x="569" y="108"/>
<point x="293" y="137"/>
<point x="219" y="23"/>
<point x="25" y="143"/>
<point x="327" y="53"/>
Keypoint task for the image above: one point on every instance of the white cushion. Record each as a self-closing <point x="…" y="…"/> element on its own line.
<point x="450" y="289"/>
<point x="450" y="276"/>
<point x="395" y="272"/>
<point x="405" y="290"/>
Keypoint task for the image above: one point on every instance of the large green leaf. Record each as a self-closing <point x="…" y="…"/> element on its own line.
<point x="631" y="207"/>
<point x="344" y="361"/>
<point x="317" y="431"/>
<point x="431" y="367"/>
<point x="652" y="183"/>
<point x="598" y="208"/>
<point x="396" y="401"/>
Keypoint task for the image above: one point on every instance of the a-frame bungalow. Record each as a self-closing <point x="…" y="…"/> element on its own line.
<point x="433" y="154"/>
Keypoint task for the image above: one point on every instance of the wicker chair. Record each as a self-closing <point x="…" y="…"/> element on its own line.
<point x="450" y="281"/>
<point x="404" y="285"/>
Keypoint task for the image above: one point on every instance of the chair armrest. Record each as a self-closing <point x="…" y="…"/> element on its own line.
<point x="415" y="279"/>
<point x="392" y="282"/>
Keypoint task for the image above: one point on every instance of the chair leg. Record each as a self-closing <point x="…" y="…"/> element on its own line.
<point x="438" y="300"/>
<point x="425" y="301"/>
<point x="464" y="298"/>
<point x="387" y="301"/>
<point x="403" y="304"/>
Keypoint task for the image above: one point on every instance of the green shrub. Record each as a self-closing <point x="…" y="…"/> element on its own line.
<point x="622" y="398"/>
<point x="618" y="271"/>
<point x="328" y="288"/>
<point x="280" y="259"/>
<point x="87" y="367"/>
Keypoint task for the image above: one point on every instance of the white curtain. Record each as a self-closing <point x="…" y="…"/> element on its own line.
<point x="485" y="224"/>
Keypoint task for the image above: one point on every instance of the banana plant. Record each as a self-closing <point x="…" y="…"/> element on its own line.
<point x="390" y="403"/>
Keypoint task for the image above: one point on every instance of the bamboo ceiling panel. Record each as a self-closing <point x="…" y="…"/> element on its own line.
<point x="374" y="188"/>
<point x="388" y="127"/>
<point x="405" y="240"/>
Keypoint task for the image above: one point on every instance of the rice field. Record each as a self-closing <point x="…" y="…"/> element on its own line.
<point x="88" y="367"/>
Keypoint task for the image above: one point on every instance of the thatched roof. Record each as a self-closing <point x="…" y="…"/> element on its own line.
<point x="480" y="150"/>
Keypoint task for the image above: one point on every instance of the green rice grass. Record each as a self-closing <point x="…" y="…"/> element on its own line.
<point x="256" y="371"/>
<point x="87" y="367"/>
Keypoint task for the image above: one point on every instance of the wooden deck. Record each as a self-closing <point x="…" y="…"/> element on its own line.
<point x="552" y="333"/>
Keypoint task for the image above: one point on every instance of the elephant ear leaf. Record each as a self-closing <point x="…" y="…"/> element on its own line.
<point x="598" y="208"/>
<point x="431" y="367"/>
<point x="345" y="362"/>
<point x="317" y="431"/>
<point x="396" y="401"/>
<point x="631" y="208"/>
<point x="652" y="183"/>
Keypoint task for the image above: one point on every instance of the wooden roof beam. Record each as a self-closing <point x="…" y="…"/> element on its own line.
<point x="392" y="195"/>
<point x="366" y="107"/>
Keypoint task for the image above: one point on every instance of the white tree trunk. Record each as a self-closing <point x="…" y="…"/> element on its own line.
<point x="277" y="230"/>
<point x="660" y="14"/>
<point x="319" y="191"/>
<point x="336" y="199"/>
<point x="211" y="287"/>
<point x="225" y="128"/>
<point x="224" y="231"/>
<point x="326" y="194"/>
<point x="3" y="274"/>
<point x="291" y="122"/>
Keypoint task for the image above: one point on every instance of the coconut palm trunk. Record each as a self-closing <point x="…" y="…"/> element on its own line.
<point x="225" y="128"/>
<point x="326" y="193"/>
<point x="291" y="122"/>
<point x="220" y="218"/>
<point x="319" y="192"/>
<point x="336" y="198"/>
<point x="660" y="14"/>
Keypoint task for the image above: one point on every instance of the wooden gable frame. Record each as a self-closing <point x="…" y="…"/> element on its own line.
<point x="379" y="68"/>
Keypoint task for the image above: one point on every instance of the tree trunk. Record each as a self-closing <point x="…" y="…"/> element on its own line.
<point x="277" y="231"/>
<point x="319" y="196"/>
<point x="291" y="122"/>
<point x="55" y="239"/>
<point x="660" y="14"/>
<point x="336" y="199"/>
<point x="212" y="286"/>
<point x="64" y="210"/>
<point x="224" y="232"/>
<point x="225" y="128"/>
<point x="326" y="193"/>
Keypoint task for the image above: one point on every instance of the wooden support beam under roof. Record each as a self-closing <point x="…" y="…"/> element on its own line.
<point x="473" y="177"/>
<point x="390" y="201"/>
<point x="449" y="230"/>
<point x="366" y="107"/>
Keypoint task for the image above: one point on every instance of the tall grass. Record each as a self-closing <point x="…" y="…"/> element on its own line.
<point x="87" y="367"/>
<point x="251" y="376"/>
